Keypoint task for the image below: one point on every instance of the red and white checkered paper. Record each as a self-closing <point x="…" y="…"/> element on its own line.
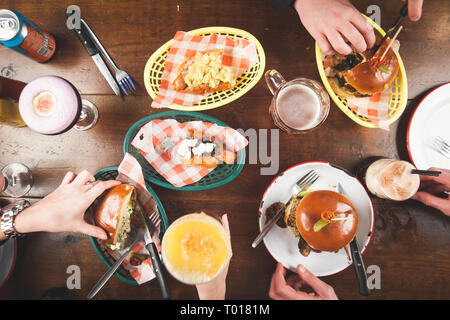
<point x="158" y="142"/>
<point x="239" y="54"/>
<point x="130" y="172"/>
<point x="375" y="108"/>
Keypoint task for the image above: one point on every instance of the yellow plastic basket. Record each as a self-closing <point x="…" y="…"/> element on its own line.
<point x="397" y="101"/>
<point x="155" y="67"/>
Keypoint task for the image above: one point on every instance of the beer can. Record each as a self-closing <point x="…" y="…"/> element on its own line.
<point x="20" y="34"/>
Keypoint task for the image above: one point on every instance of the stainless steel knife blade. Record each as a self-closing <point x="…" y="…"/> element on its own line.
<point x="106" y="73"/>
<point x="358" y="263"/>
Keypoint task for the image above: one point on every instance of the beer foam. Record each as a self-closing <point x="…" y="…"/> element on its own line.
<point x="298" y="106"/>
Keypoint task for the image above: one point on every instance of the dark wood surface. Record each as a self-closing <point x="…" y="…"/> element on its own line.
<point x="410" y="243"/>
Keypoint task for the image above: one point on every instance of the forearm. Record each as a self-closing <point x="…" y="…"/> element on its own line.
<point x="25" y="222"/>
<point x="207" y="292"/>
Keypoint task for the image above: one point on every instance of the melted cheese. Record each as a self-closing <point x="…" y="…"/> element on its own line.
<point x="207" y="68"/>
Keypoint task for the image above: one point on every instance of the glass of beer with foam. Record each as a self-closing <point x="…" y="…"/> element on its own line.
<point x="196" y="248"/>
<point x="299" y="105"/>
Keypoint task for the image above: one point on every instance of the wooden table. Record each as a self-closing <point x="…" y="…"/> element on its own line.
<point x="410" y="243"/>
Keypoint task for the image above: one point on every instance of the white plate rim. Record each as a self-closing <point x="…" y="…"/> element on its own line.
<point x="420" y="105"/>
<point x="338" y="168"/>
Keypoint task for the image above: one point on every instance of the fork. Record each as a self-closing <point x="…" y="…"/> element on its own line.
<point x="124" y="80"/>
<point x="441" y="146"/>
<point x="155" y="221"/>
<point x="300" y="186"/>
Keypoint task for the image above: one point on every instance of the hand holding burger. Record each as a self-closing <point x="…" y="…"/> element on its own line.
<point x="289" y="288"/>
<point x="63" y="209"/>
<point x="334" y="22"/>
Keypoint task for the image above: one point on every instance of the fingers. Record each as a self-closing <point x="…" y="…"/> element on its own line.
<point x="320" y="287"/>
<point x="443" y="178"/>
<point x="415" y="9"/>
<point x="432" y="187"/>
<point x="433" y="201"/>
<point x="280" y="290"/>
<point x="225" y="224"/>
<point x="84" y="177"/>
<point x="365" y="29"/>
<point x="338" y="43"/>
<point x="68" y="178"/>
<point x="92" y="231"/>
<point x="277" y="282"/>
<point x="294" y="281"/>
<point x="354" y="36"/>
<point x="324" y="44"/>
<point x="101" y="186"/>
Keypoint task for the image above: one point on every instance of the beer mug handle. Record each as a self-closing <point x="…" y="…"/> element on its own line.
<point x="274" y="80"/>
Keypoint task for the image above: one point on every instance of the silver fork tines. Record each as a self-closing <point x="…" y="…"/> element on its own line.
<point x="306" y="181"/>
<point x="125" y="82"/>
<point x="441" y="146"/>
<point x="154" y="218"/>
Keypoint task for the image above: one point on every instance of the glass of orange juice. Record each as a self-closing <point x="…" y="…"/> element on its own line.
<point x="195" y="248"/>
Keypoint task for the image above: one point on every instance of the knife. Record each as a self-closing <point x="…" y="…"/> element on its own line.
<point x="158" y="267"/>
<point x="83" y="36"/>
<point x="391" y="31"/>
<point x="112" y="270"/>
<point x="358" y="262"/>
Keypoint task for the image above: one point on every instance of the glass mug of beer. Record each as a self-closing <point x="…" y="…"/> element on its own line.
<point x="195" y="248"/>
<point x="389" y="178"/>
<point x="299" y="105"/>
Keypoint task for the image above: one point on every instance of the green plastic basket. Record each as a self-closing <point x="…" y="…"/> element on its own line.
<point x="111" y="173"/>
<point x="220" y="176"/>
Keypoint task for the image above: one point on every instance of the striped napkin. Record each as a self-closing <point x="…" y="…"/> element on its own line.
<point x="239" y="54"/>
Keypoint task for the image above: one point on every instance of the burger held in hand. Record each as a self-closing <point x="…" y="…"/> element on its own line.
<point x="362" y="74"/>
<point x="115" y="214"/>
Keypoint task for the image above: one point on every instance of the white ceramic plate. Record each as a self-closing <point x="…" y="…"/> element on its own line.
<point x="431" y="119"/>
<point x="8" y="252"/>
<point x="280" y="242"/>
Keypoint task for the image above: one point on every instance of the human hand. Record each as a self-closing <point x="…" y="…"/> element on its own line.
<point x="414" y="9"/>
<point x="63" y="209"/>
<point x="332" y="22"/>
<point x="216" y="288"/>
<point x="289" y="289"/>
<point x="431" y="186"/>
